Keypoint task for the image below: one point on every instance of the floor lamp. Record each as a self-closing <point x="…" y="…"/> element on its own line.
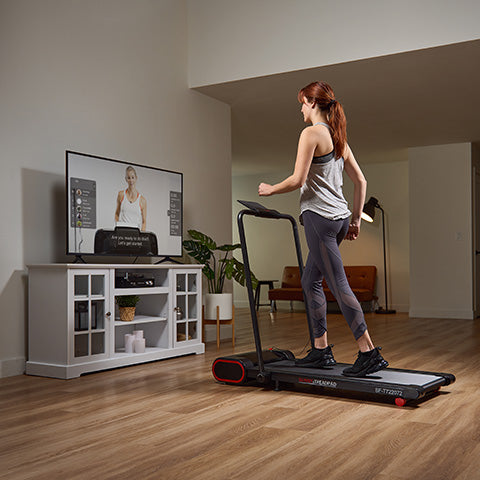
<point x="368" y="214"/>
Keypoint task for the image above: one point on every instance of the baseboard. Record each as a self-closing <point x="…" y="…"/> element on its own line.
<point x="453" y="314"/>
<point x="12" y="366"/>
<point x="299" y="307"/>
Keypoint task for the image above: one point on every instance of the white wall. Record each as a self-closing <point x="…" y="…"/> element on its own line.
<point x="108" y="78"/>
<point x="441" y="274"/>
<point x="271" y="247"/>
<point x="231" y="40"/>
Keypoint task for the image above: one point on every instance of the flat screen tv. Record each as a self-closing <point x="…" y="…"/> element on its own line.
<point x="122" y="209"/>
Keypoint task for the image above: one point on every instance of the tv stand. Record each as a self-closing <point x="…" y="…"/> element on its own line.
<point x="79" y="259"/>
<point x="74" y="324"/>
<point x="168" y="259"/>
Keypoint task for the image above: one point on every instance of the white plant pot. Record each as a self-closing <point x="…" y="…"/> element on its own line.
<point x="223" y="300"/>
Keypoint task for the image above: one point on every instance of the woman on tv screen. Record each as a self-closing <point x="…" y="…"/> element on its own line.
<point x="131" y="206"/>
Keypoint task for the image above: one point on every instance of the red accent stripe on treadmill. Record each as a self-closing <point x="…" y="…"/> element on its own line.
<point x="228" y="380"/>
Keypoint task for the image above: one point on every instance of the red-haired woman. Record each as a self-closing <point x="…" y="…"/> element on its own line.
<point x="323" y="154"/>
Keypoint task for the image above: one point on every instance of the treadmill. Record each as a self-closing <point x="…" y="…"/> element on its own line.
<point x="274" y="367"/>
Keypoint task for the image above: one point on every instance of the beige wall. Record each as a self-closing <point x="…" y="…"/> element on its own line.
<point x="271" y="247"/>
<point x="388" y="183"/>
<point x="230" y="39"/>
<point x="108" y="78"/>
<point x="441" y="277"/>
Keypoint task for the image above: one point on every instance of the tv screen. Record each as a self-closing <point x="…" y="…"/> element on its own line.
<point x="120" y="208"/>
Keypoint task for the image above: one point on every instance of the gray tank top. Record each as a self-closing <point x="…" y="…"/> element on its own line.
<point x="322" y="191"/>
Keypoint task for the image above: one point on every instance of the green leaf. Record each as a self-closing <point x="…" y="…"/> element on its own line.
<point x="127" y="300"/>
<point x="228" y="247"/>
<point x="238" y="274"/>
<point x="215" y="269"/>
<point x="229" y="267"/>
<point x="208" y="272"/>
<point x="203" y="239"/>
<point x="197" y="250"/>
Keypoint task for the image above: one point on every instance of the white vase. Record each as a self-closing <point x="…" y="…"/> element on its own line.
<point x="223" y="300"/>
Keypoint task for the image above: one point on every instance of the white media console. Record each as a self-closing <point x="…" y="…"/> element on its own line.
<point x="74" y="325"/>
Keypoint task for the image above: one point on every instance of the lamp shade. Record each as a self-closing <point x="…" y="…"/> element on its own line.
<point x="368" y="213"/>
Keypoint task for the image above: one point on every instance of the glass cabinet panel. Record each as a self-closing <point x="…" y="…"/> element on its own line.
<point x="81" y="316"/>
<point x="181" y="309"/>
<point x="98" y="314"/>
<point x="192" y="282"/>
<point x="192" y="307"/>
<point x="181" y="332"/>
<point x="192" y="330"/>
<point x="98" y="343"/>
<point x="81" y="345"/>
<point x="81" y="286"/>
<point x="181" y="282"/>
<point x="98" y="285"/>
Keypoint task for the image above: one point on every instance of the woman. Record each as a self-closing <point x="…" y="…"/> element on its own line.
<point x="131" y="206"/>
<point x="322" y="155"/>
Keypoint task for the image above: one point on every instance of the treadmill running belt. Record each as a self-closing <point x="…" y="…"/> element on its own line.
<point x="389" y="375"/>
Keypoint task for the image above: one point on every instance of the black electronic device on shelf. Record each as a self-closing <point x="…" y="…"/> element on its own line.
<point x="134" y="280"/>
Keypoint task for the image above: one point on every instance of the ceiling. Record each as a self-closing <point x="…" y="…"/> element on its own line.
<point x="424" y="97"/>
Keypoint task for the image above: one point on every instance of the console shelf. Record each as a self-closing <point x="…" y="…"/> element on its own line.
<point x="74" y="324"/>
<point x="141" y="291"/>
<point x="140" y="319"/>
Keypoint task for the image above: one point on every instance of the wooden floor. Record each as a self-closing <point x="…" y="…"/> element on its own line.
<point x="171" y="420"/>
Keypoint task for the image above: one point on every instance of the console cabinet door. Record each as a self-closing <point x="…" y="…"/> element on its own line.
<point x="89" y="315"/>
<point x="187" y="307"/>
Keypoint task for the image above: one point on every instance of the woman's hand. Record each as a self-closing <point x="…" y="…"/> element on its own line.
<point x="353" y="231"/>
<point x="265" y="190"/>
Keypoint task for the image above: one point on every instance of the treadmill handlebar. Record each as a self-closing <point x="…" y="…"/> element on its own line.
<point x="259" y="210"/>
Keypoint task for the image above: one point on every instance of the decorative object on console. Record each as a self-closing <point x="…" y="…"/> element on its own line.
<point x="218" y="305"/>
<point x="368" y="215"/>
<point x="126" y="305"/>
<point x="139" y="345"/>
<point x="129" y="339"/>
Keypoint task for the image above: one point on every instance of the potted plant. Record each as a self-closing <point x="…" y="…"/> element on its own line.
<point x="126" y="305"/>
<point x="219" y="264"/>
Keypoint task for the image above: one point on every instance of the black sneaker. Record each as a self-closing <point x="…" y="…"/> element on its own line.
<point x="367" y="362"/>
<point x="317" y="358"/>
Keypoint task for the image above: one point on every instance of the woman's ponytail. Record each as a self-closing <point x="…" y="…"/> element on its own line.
<point x="322" y="94"/>
<point x="338" y="124"/>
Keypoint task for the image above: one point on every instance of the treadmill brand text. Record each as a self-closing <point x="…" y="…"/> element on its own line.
<point x="387" y="391"/>
<point x="320" y="383"/>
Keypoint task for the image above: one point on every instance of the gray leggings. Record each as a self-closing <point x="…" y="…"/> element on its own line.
<point x="324" y="260"/>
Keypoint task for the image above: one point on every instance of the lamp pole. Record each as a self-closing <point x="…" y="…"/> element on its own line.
<point x="380" y="309"/>
<point x="369" y="214"/>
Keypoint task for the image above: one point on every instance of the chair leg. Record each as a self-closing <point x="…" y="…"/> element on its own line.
<point x="233" y="326"/>
<point x="218" y="327"/>
<point x="291" y="306"/>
